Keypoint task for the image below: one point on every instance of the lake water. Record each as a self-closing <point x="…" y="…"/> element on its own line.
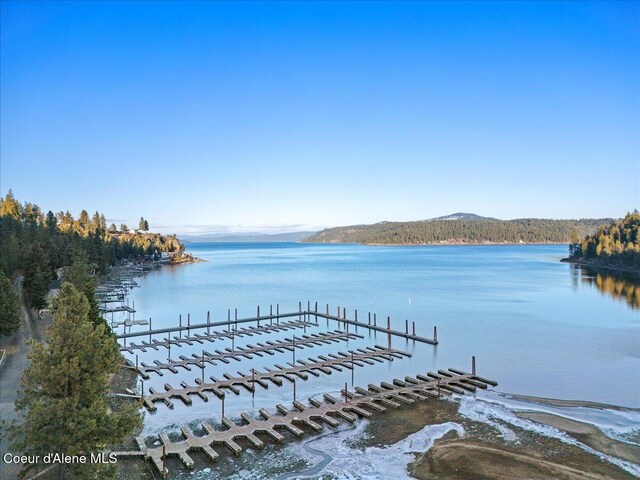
<point x="537" y="326"/>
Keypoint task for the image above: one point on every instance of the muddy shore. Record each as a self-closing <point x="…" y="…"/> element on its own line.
<point x="483" y="453"/>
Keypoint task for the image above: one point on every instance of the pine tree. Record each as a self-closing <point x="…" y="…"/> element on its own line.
<point x="79" y="276"/>
<point x="63" y="398"/>
<point x="9" y="307"/>
<point x="37" y="276"/>
<point x="83" y="224"/>
<point x="143" y="224"/>
<point x="51" y="222"/>
<point x="10" y="207"/>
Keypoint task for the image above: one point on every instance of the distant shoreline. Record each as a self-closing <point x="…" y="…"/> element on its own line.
<point x="447" y="244"/>
<point x="591" y="264"/>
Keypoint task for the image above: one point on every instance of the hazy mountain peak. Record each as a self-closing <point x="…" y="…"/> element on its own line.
<point x="463" y="216"/>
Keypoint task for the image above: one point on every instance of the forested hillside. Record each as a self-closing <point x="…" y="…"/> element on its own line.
<point x="526" y="230"/>
<point x="616" y="243"/>
<point x="37" y="244"/>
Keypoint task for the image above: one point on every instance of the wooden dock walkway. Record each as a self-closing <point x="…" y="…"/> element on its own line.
<point x="360" y="403"/>
<point x="248" y="351"/>
<point x="301" y="369"/>
<point x="341" y="318"/>
<point x="216" y="335"/>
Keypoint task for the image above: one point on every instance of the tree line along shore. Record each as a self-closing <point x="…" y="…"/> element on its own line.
<point x="63" y="400"/>
<point x="476" y="231"/>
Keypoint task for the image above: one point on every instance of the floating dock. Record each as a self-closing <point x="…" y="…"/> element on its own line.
<point x="248" y="351"/>
<point x="340" y="318"/>
<point x="301" y="369"/>
<point x="359" y="403"/>
<point x="177" y="341"/>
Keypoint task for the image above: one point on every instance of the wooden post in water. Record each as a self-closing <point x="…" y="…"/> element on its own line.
<point x="278" y="313"/>
<point x="406" y="327"/>
<point x="414" y="328"/>
<point x="435" y="334"/>
<point x="375" y="319"/>
<point x="253" y="382"/>
<point x="188" y="324"/>
<point x="353" y="367"/>
<point x="299" y="311"/>
<point x="235" y="317"/>
<point x="294" y="350"/>
<point x="203" y="364"/>
<point x="271" y="314"/>
<point x="164" y="461"/>
<point x="258" y="314"/>
<point x="346" y="397"/>
<point x="389" y="331"/>
<point x="228" y="319"/>
<point x="208" y="322"/>
<point x="149" y="329"/>
<point x="473" y="365"/>
<point x="369" y="318"/>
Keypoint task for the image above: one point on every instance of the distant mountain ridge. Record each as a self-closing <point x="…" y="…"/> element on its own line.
<point x="460" y="228"/>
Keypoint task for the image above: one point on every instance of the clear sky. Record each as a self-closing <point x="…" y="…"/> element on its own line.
<point x="278" y="116"/>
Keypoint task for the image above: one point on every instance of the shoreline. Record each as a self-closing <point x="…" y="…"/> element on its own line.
<point x="596" y="265"/>
<point x="557" y="402"/>
<point x="483" y="451"/>
<point x="445" y="244"/>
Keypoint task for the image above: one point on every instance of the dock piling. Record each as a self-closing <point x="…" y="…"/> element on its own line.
<point x="164" y="461"/>
<point x="353" y="368"/>
<point x="203" y="364"/>
<point x="414" y="328"/>
<point x="473" y="365"/>
<point x="435" y="334"/>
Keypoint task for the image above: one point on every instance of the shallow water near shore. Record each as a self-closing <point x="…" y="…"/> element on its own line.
<point x="537" y="326"/>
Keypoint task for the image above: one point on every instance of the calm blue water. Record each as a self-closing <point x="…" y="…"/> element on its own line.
<point x="532" y="322"/>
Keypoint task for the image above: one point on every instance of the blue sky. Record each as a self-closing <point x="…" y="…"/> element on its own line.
<point x="258" y="116"/>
